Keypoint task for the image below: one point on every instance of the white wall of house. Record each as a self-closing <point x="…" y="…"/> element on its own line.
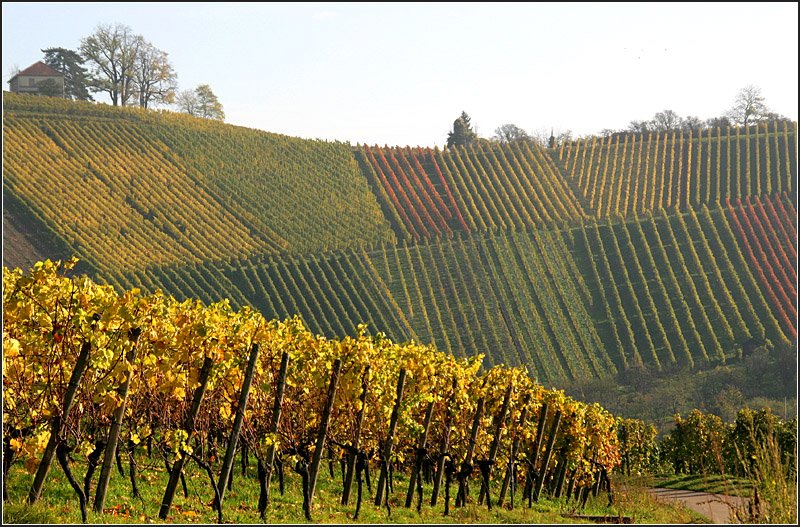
<point x="27" y="83"/>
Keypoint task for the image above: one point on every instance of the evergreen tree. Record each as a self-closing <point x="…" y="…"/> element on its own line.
<point x="462" y="133"/>
<point x="49" y="88"/>
<point x="70" y="63"/>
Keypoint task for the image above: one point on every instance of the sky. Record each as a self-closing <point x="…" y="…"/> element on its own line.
<point x="399" y="74"/>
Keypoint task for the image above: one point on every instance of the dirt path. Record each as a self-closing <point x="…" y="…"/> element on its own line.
<point x="716" y="507"/>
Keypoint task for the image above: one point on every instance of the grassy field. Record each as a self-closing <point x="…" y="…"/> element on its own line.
<point x="59" y="503"/>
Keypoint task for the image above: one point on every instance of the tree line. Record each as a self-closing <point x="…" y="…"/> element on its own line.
<point x="749" y="107"/>
<point x="130" y="70"/>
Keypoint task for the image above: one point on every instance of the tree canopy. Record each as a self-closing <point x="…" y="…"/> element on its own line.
<point x="509" y="133"/>
<point x="69" y="63"/>
<point x="111" y="51"/>
<point x="49" y="88"/>
<point x="462" y="133"/>
<point x="748" y="106"/>
<point x="200" y="102"/>
<point x="127" y="67"/>
<point x="666" y="121"/>
<point x="153" y="77"/>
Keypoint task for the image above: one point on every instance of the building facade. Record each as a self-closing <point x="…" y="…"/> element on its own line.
<point x="38" y="79"/>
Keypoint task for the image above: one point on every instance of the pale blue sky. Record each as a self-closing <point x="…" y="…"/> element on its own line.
<point x="400" y="73"/>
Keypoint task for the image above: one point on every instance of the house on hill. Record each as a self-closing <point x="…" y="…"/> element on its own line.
<point x="38" y="79"/>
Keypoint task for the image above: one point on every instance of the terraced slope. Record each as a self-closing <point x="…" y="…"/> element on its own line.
<point x="429" y="193"/>
<point x="516" y="297"/>
<point x="675" y="250"/>
<point x="637" y="173"/>
<point x="766" y="232"/>
<point x="673" y="290"/>
<point x="129" y="189"/>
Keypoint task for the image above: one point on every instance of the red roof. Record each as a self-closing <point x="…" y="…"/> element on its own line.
<point x="40" y="69"/>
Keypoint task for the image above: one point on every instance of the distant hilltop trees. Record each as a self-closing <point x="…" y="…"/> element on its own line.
<point x="748" y="108"/>
<point x="126" y="67"/>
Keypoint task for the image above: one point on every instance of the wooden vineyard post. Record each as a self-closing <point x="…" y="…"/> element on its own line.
<point x="177" y="467"/>
<point x="484" y="493"/>
<point x="512" y="455"/>
<point x="466" y="467"/>
<point x="596" y="484"/>
<point x="530" y="475"/>
<point x="323" y="430"/>
<point x="387" y="450"/>
<point x="273" y="429"/>
<point x="227" y="464"/>
<point x="437" y="481"/>
<point x="116" y="426"/>
<point x="571" y="484"/>
<point x="584" y="495"/>
<point x="562" y="473"/>
<point x="55" y="429"/>
<point x="352" y="458"/>
<point x="548" y="453"/>
<point x="421" y="449"/>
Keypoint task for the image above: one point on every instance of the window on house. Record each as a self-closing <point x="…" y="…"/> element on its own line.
<point x="31" y="81"/>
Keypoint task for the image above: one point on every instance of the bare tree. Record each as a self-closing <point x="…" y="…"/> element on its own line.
<point x="640" y="127"/>
<point x="200" y="102"/>
<point x="693" y="123"/>
<point x="187" y="102"/>
<point x="153" y="77"/>
<point x="111" y="52"/>
<point x="508" y="133"/>
<point x="666" y="121"/>
<point x="748" y="106"/>
<point x="13" y="71"/>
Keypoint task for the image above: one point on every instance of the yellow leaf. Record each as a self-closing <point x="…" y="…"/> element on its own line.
<point x="87" y="448"/>
<point x="10" y="347"/>
<point x="178" y="392"/>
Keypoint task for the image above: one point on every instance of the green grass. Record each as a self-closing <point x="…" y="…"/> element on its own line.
<point x="59" y="504"/>
<point x="714" y="483"/>
<point x="632" y="496"/>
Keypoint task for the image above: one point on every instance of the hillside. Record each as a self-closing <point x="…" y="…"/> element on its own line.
<point x="133" y="188"/>
<point x="664" y="251"/>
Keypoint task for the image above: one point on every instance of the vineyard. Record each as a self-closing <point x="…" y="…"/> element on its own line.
<point x="676" y="171"/>
<point x="660" y="250"/>
<point x="659" y="291"/>
<point x="427" y="193"/>
<point x="130" y="194"/>
<point x="99" y="371"/>
<point x="382" y="308"/>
